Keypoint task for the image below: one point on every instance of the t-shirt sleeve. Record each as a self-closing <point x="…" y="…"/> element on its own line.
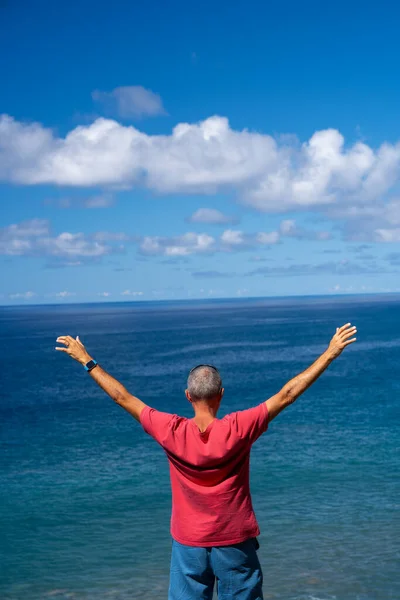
<point x="252" y="422"/>
<point x="156" y="423"/>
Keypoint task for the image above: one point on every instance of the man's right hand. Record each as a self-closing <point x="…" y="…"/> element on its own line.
<point x="341" y="339"/>
<point x="74" y="348"/>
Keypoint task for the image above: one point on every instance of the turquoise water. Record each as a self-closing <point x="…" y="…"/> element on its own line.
<point x="85" y="497"/>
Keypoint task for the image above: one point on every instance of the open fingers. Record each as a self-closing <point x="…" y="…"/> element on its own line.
<point x="62" y="349"/>
<point x="65" y="339"/>
<point x="348" y="332"/>
<point x="349" y="342"/>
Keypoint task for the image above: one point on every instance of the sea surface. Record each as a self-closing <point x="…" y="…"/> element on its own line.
<point x="84" y="492"/>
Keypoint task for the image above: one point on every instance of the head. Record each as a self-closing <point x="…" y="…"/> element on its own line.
<point x="204" y="386"/>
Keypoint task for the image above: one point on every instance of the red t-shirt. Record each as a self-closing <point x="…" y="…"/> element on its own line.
<point x="211" y="502"/>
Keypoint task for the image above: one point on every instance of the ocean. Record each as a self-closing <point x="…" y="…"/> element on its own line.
<point x="85" y="496"/>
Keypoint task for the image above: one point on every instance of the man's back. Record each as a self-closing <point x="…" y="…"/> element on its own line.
<point x="211" y="502"/>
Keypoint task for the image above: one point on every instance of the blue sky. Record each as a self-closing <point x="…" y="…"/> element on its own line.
<point x="191" y="150"/>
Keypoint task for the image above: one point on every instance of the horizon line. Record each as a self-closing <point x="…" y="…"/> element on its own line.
<point x="209" y="299"/>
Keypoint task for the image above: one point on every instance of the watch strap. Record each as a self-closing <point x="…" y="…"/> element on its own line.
<point x="90" y="365"/>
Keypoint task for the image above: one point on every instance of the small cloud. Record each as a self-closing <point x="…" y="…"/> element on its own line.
<point x="100" y="201"/>
<point x="64" y="294"/>
<point x="122" y="269"/>
<point x="61" y="264"/>
<point x="288" y="228"/>
<point x="104" y="294"/>
<point x="342" y="267"/>
<point x="110" y="236"/>
<point x="33" y="238"/>
<point x="233" y="237"/>
<point x="132" y="101"/>
<point x="211" y="216"/>
<point x="359" y="248"/>
<point x="97" y="201"/>
<point x="257" y="259"/>
<point x="387" y="235"/>
<point x="130" y="293"/>
<point x="211" y="274"/>
<point x="174" y="260"/>
<point x="178" y="246"/>
<point x="22" y="295"/>
<point x="267" y="238"/>
<point x="201" y="243"/>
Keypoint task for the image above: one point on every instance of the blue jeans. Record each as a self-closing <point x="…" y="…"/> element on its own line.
<point x="236" y="570"/>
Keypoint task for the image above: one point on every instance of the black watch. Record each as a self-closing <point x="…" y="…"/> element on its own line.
<point x="90" y="365"/>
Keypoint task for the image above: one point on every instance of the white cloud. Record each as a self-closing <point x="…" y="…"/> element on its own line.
<point x="323" y="174"/>
<point x="104" y="294"/>
<point x="33" y="238"/>
<point x="22" y="295"/>
<point x="236" y="239"/>
<point x="130" y="293"/>
<point x="130" y="101"/>
<point x="343" y="267"/>
<point x="194" y="243"/>
<point x="387" y="235"/>
<point x="288" y="228"/>
<point x="64" y="294"/>
<point x="376" y="221"/>
<point x="71" y="245"/>
<point x="232" y="237"/>
<point x="100" y="201"/>
<point x="110" y="236"/>
<point x="201" y="157"/>
<point x="195" y="158"/>
<point x="318" y="173"/>
<point x="267" y="238"/>
<point x="212" y="216"/>
<point x="31" y="228"/>
<point x="188" y="243"/>
<point x="21" y="238"/>
<point x="242" y="292"/>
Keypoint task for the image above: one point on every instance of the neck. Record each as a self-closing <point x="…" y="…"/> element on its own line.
<point x="204" y="412"/>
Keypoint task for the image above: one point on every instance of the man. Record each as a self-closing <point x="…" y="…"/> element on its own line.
<point x="213" y="525"/>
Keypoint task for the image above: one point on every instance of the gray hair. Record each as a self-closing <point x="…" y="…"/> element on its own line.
<point x="204" y="383"/>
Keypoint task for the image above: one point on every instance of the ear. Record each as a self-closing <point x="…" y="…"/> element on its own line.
<point x="188" y="396"/>
<point x="221" y="393"/>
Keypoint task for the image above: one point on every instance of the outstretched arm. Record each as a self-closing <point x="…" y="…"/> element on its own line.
<point x="296" y="386"/>
<point x="111" y="386"/>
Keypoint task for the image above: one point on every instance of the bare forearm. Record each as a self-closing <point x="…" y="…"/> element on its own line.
<point x="296" y="386"/>
<point x="111" y="386"/>
<point x="118" y="392"/>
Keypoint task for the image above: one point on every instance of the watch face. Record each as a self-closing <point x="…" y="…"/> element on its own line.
<point x="90" y="364"/>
